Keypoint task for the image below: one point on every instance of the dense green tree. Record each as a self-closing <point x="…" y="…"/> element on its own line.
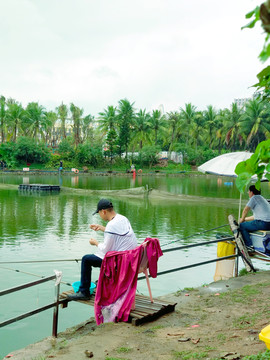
<point x="35" y="115"/>
<point x="210" y="120"/>
<point x="2" y="116"/>
<point x="15" y="115"/>
<point x="62" y="111"/>
<point x="76" y="114"/>
<point x="197" y="130"/>
<point x="188" y="115"/>
<point x="142" y="128"/>
<point x="255" y="122"/>
<point x="87" y="128"/>
<point x="231" y="120"/>
<point x="157" y="122"/>
<point x="107" y="126"/>
<point x="174" y="122"/>
<point x="50" y="118"/>
<point x="125" y="115"/>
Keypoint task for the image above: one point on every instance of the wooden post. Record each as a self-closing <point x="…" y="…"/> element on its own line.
<point x="55" y="311"/>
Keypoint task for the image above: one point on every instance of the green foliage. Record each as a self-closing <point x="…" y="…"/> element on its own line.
<point x="66" y="150"/>
<point x="257" y="164"/>
<point x="149" y="155"/>
<point x="197" y="156"/>
<point x="89" y="155"/>
<point x="7" y="151"/>
<point x="26" y="150"/>
<point x="261" y="14"/>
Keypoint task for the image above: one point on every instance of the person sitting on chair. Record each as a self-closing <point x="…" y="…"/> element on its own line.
<point x="118" y="236"/>
<point x="261" y="215"/>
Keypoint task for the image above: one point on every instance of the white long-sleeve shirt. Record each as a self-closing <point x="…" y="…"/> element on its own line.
<point x="118" y="236"/>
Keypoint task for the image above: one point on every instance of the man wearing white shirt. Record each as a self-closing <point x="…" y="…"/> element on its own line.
<point x="118" y="236"/>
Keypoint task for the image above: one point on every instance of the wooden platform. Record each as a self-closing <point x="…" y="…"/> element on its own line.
<point x="144" y="311"/>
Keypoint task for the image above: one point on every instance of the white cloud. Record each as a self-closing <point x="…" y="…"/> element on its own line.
<point x="152" y="52"/>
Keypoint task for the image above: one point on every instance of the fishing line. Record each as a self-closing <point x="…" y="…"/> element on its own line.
<point x="198" y="233"/>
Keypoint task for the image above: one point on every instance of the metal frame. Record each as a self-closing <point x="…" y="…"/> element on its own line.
<point x="55" y="304"/>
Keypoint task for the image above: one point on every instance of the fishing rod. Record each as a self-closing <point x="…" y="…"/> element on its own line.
<point x="198" y="233"/>
<point x="32" y="274"/>
<point x="37" y="261"/>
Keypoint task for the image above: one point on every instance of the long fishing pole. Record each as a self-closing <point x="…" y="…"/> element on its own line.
<point x="198" y="233"/>
<point x="32" y="274"/>
<point x="37" y="261"/>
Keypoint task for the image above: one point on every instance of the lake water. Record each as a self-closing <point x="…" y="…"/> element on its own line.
<point x="56" y="227"/>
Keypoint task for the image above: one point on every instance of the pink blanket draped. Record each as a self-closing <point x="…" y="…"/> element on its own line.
<point x="117" y="281"/>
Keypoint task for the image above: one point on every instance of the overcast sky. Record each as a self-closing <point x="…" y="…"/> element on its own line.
<point x="95" y="52"/>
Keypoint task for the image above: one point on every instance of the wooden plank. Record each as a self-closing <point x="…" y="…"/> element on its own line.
<point x="144" y="310"/>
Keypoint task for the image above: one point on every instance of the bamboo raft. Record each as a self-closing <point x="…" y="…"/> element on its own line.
<point x="144" y="311"/>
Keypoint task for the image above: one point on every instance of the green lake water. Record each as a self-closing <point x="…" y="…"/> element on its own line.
<point x="56" y="227"/>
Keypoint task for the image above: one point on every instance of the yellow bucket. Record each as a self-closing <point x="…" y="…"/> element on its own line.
<point x="264" y="335"/>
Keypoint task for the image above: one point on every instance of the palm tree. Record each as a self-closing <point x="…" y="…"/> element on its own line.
<point x="87" y="129"/>
<point x="188" y="115"/>
<point x="2" y="116"/>
<point x="62" y="111"/>
<point x="35" y="114"/>
<point x="231" y="126"/>
<point x="107" y="124"/>
<point x="210" y="118"/>
<point x="197" y="129"/>
<point x="142" y="127"/>
<point x="15" y="115"/>
<point x="76" y="117"/>
<point x="174" y="121"/>
<point x="255" y="122"/>
<point x="50" y="118"/>
<point x="125" y="115"/>
<point x="157" y="122"/>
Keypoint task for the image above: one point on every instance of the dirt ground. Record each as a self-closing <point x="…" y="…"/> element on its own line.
<point x="221" y="320"/>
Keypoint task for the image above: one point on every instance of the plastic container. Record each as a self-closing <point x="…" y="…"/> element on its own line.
<point x="76" y="286"/>
<point x="264" y="335"/>
<point x="261" y="241"/>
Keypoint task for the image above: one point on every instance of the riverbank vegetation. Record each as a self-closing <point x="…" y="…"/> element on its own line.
<point x="122" y="134"/>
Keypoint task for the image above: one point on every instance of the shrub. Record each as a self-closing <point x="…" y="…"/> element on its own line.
<point x="89" y="155"/>
<point x="26" y="150"/>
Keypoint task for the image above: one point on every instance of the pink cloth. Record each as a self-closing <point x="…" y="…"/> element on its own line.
<point x="117" y="281"/>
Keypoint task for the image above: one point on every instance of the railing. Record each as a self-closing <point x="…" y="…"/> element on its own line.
<point x="229" y="238"/>
<point x="55" y="304"/>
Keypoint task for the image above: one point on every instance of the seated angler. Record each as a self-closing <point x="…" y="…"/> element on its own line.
<point x="261" y="215"/>
<point x="118" y="236"/>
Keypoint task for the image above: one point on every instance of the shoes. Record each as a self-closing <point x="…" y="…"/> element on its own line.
<point x="78" y="296"/>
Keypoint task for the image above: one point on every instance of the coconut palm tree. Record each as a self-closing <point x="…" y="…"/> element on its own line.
<point x="174" y="122"/>
<point x="210" y="120"/>
<point x="188" y="115"/>
<point x="76" y="114"/>
<point x="142" y="127"/>
<point x="2" y="116"/>
<point x="107" y="124"/>
<point x="62" y="111"/>
<point x="35" y="115"/>
<point x="255" y="122"/>
<point x="157" y="122"/>
<point x="125" y="116"/>
<point x="15" y="115"/>
<point x="231" y="120"/>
